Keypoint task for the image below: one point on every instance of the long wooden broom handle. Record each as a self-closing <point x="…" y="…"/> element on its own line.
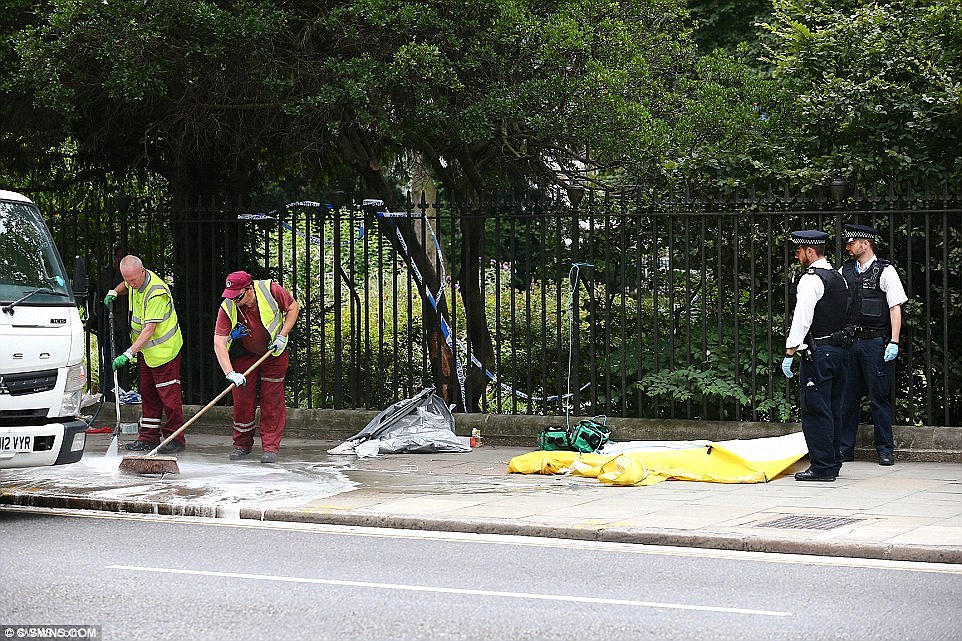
<point x="207" y="407"/>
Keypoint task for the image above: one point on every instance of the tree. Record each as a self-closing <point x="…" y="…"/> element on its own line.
<point x="875" y="88"/>
<point x="193" y="92"/>
<point x="725" y="24"/>
<point x="500" y="95"/>
<point x="729" y="127"/>
<point x="218" y="98"/>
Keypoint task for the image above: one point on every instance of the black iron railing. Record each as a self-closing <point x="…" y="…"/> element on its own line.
<point x="678" y="309"/>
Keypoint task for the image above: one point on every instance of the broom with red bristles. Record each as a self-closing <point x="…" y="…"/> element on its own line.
<point x="152" y="464"/>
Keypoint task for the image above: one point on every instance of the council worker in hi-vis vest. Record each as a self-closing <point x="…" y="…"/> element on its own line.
<point x="156" y="340"/>
<point x="255" y="317"/>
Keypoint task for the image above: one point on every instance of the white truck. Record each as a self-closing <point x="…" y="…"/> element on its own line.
<point x="42" y="372"/>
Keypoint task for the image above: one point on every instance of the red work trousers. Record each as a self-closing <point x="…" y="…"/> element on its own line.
<point x="160" y="395"/>
<point x="268" y="380"/>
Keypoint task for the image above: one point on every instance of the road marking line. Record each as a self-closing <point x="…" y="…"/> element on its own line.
<point x="427" y="588"/>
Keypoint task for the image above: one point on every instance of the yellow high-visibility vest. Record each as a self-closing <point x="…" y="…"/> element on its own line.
<point x="271" y="315"/>
<point x="167" y="340"/>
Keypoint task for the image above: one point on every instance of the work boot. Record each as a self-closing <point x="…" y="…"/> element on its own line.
<point x="269" y="457"/>
<point x="172" y="448"/>
<point x="239" y="454"/>
<point x="140" y="446"/>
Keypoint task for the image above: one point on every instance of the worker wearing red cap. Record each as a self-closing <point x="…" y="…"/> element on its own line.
<point x="256" y="316"/>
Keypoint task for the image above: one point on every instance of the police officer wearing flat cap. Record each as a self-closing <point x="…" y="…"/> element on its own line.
<point x="817" y="335"/>
<point x="875" y="303"/>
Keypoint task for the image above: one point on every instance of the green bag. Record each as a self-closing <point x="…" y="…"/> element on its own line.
<point x="554" y="438"/>
<point x="588" y="436"/>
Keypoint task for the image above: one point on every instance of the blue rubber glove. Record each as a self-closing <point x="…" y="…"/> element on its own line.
<point x="110" y="298"/>
<point x="122" y="360"/>
<point x="891" y="351"/>
<point x="277" y="347"/>
<point x="787" y="366"/>
<point x="239" y="332"/>
<point x="237" y="379"/>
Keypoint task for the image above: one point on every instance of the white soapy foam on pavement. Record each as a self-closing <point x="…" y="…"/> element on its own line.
<point x="200" y="482"/>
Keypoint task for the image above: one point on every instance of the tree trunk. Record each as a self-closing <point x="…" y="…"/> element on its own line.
<point x="207" y="245"/>
<point x="401" y="233"/>
<point x="479" y="337"/>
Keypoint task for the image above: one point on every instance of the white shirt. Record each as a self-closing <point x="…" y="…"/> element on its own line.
<point x="810" y="291"/>
<point x="889" y="282"/>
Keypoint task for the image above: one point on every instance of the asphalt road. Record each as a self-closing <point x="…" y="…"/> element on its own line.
<point x="180" y="578"/>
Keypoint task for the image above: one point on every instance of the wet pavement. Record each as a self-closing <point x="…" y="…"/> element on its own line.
<point x="911" y="511"/>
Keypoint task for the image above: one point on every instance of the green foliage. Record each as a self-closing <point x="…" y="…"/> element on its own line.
<point x="361" y="331"/>
<point x="728" y="117"/>
<point x="727" y="23"/>
<point x="148" y="84"/>
<point x="172" y="102"/>
<point x="530" y="344"/>
<point x="692" y="383"/>
<point x="657" y="299"/>
<point x="484" y="91"/>
<point x="505" y="89"/>
<point x="876" y="87"/>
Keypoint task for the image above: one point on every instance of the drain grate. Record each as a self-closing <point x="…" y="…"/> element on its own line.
<point x="801" y="522"/>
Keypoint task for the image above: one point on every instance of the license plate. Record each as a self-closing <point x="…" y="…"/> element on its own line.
<point x="16" y="443"/>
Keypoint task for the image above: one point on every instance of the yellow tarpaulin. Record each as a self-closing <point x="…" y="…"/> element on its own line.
<point x="739" y="461"/>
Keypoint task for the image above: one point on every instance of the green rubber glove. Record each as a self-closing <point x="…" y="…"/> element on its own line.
<point x="122" y="360"/>
<point x="110" y="298"/>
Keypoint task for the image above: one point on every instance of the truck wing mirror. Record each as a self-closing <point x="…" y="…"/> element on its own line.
<point x="79" y="279"/>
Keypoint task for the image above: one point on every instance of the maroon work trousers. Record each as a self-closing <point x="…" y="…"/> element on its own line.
<point x="160" y="395"/>
<point x="267" y="382"/>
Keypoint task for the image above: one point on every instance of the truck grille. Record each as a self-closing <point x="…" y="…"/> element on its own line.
<point x="28" y="382"/>
<point x="12" y="418"/>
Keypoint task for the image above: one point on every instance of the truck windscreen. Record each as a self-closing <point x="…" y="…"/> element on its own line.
<point x="28" y="258"/>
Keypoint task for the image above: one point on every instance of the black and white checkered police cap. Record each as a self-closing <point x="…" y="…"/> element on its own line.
<point x="859" y="231"/>
<point x="809" y="237"/>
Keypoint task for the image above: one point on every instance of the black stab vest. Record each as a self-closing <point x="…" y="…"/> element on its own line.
<point x="868" y="306"/>
<point x="830" y="310"/>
